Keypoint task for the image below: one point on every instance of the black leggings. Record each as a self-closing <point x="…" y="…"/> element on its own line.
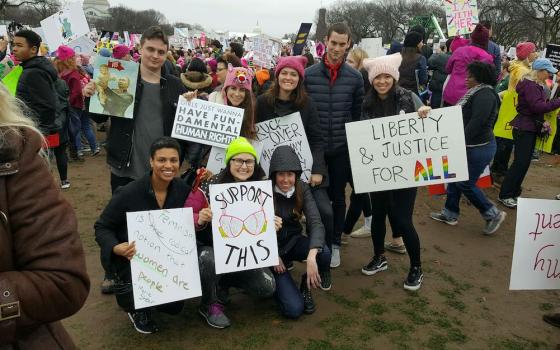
<point x="358" y="203"/>
<point x="399" y="204"/>
<point x="61" y="161"/>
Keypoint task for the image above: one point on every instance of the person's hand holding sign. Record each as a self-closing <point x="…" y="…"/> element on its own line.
<point x="277" y="223"/>
<point x="191" y="95"/>
<point x="424" y="111"/>
<point x="125" y="249"/>
<point x="89" y="89"/>
<point x="280" y="268"/>
<point x="204" y="216"/>
<point x="316" y="180"/>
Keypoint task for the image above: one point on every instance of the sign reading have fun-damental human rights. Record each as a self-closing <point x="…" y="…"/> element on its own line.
<point x="405" y="150"/>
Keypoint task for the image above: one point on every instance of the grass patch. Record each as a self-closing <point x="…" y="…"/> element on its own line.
<point x="456" y="335"/>
<point x="377" y="309"/>
<point x="367" y="293"/>
<point x="383" y="327"/>
<point x="486" y="263"/>
<point x="436" y="342"/>
<point x="451" y="299"/>
<point x="546" y="307"/>
<point x="485" y="290"/>
<point x="460" y="287"/>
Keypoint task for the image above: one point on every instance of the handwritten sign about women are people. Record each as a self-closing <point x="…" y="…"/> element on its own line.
<point x="461" y="15"/>
<point x="206" y="122"/>
<point x="165" y="267"/>
<point x="243" y="229"/>
<point x="287" y="130"/>
<point x="405" y="150"/>
<point x="536" y="253"/>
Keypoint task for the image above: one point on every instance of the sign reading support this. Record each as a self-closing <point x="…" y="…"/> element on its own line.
<point x="405" y="150"/>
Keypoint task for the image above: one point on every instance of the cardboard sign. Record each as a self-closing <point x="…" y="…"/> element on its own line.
<point x="116" y="87"/>
<point x="301" y="38"/>
<point x="537" y="245"/>
<point x="206" y="122"/>
<point x="264" y="50"/>
<point x="218" y="155"/>
<point x="553" y="54"/>
<point x="461" y="15"/>
<point x="287" y="130"/>
<point x="373" y="47"/>
<point x="243" y="229"/>
<point x="405" y="150"/>
<point x="165" y="266"/>
<point x="65" y="26"/>
<point x="83" y="45"/>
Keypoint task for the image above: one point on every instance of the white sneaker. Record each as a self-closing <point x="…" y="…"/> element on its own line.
<point x="335" y="257"/>
<point x="362" y="232"/>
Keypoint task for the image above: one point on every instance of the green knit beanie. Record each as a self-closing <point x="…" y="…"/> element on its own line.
<point x="240" y="145"/>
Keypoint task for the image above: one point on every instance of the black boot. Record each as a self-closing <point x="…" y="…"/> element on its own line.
<point x="308" y="304"/>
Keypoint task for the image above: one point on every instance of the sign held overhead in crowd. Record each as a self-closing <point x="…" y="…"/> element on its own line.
<point x="373" y="47"/>
<point x="65" y="26"/>
<point x="301" y="38"/>
<point x="461" y="15"/>
<point x="553" y="54"/>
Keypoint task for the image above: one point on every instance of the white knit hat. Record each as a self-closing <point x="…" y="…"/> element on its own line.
<point x="388" y="64"/>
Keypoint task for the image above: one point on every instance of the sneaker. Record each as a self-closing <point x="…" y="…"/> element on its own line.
<point x="395" y="248"/>
<point x="143" y="322"/>
<point x="335" y="257"/>
<point x="85" y="149"/>
<point x="378" y="263"/>
<point x="108" y="285"/>
<point x="308" y="304"/>
<point x="553" y="319"/>
<point x="289" y="265"/>
<point x="443" y="218"/>
<point x="326" y="280"/>
<point x="362" y="232"/>
<point x="508" y="202"/>
<point x="96" y="152"/>
<point x="414" y="280"/>
<point x="214" y="315"/>
<point x="494" y="224"/>
<point x="64" y="184"/>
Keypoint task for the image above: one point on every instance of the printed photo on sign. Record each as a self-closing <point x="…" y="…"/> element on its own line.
<point x="65" y="26"/>
<point x="405" y="150"/>
<point x="536" y="252"/>
<point x="243" y="228"/>
<point x="115" y="83"/>
<point x="165" y="266"/>
<point x="83" y="45"/>
<point x="206" y="122"/>
<point x="217" y="155"/>
<point x="287" y="130"/>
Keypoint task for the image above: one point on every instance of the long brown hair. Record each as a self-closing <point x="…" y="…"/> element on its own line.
<point x="298" y="95"/>
<point x="248" y="129"/>
<point x="298" y="196"/>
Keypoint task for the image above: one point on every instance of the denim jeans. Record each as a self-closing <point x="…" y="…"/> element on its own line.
<point x="477" y="159"/>
<point x="79" y="122"/>
<point x="287" y="294"/>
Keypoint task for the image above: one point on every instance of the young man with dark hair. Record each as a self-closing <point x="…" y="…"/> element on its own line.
<point x="36" y="84"/>
<point x="493" y="49"/>
<point x="338" y="91"/>
<point x="155" y="104"/>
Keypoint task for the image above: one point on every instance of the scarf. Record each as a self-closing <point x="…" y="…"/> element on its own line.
<point x="333" y="69"/>
<point x="471" y="92"/>
<point x="288" y="194"/>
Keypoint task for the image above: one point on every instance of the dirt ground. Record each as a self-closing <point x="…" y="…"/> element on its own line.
<point x="464" y="302"/>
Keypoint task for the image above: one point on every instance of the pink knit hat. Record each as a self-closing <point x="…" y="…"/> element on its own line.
<point x="295" y="62"/>
<point x="238" y="76"/>
<point x="65" y="53"/>
<point x="524" y="49"/>
<point x="388" y="64"/>
<point x="119" y="51"/>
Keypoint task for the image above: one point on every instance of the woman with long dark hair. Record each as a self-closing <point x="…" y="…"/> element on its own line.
<point x="413" y="70"/>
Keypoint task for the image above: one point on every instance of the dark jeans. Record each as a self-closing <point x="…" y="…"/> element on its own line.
<point x="258" y="283"/>
<point x="399" y="204"/>
<point x="287" y="294"/>
<point x="339" y="176"/>
<point x="61" y="160"/>
<point x="477" y="160"/>
<point x="502" y="156"/>
<point x="79" y="122"/>
<point x="323" y="201"/>
<point x="208" y="278"/>
<point x="435" y="101"/>
<point x="118" y="181"/>
<point x="524" y="142"/>
<point x="358" y="203"/>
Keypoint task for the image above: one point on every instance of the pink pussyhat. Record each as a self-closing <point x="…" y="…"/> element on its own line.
<point x="65" y="53"/>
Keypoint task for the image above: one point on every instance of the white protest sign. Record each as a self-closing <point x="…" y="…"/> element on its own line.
<point x="287" y="130"/>
<point x="65" y="26"/>
<point x="206" y="122"/>
<point x="83" y="45"/>
<point x="373" y="47"/>
<point x="537" y="245"/>
<point x="243" y="228"/>
<point x="165" y="266"/>
<point x="461" y="16"/>
<point x="218" y="155"/>
<point x="407" y="151"/>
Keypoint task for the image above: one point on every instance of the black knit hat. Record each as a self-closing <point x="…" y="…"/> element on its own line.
<point x="412" y="39"/>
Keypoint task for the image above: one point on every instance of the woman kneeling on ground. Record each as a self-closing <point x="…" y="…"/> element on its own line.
<point x="292" y="199"/>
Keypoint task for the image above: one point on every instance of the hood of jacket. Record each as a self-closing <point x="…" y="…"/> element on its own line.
<point x="42" y="63"/>
<point x="284" y="158"/>
<point x="196" y="80"/>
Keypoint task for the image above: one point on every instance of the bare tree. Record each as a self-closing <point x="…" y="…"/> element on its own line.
<point x="123" y="18"/>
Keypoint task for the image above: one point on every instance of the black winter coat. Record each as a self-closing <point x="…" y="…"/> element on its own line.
<point x="119" y="140"/>
<point x="337" y="104"/>
<point x="36" y="89"/>
<point x="479" y="114"/>
<point x="437" y="64"/>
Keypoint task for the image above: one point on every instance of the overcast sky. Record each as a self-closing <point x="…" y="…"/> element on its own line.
<point x="275" y="17"/>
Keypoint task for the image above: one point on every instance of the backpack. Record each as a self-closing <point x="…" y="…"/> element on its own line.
<point x="62" y="105"/>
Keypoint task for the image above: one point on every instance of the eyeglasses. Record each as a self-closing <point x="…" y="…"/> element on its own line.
<point x="239" y="162"/>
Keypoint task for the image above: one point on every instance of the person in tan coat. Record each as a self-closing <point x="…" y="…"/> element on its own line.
<point x="43" y="276"/>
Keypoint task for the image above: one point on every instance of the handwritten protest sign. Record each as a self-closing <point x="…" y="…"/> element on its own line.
<point x="243" y="228"/>
<point x="217" y="156"/>
<point x="206" y="122"/>
<point x="462" y="16"/>
<point x="373" y="47"/>
<point x="553" y="54"/>
<point x="537" y="245"/>
<point x="407" y="151"/>
<point x="264" y="51"/>
<point x="116" y="87"/>
<point x="165" y="267"/>
<point x="287" y="130"/>
<point x="83" y="45"/>
<point x="65" y="26"/>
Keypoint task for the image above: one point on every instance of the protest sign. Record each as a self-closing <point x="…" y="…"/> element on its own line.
<point x="206" y="122"/>
<point x="301" y="38"/>
<point x="507" y="112"/>
<point x="83" y="45"/>
<point x="116" y="87"/>
<point x="484" y="181"/>
<point x="264" y="50"/>
<point x="553" y="54"/>
<point x="243" y="229"/>
<point x="11" y="79"/>
<point x="165" y="266"/>
<point x="461" y="15"/>
<point x="287" y="130"/>
<point x="373" y="47"/>
<point x="65" y="26"/>
<point x="407" y="151"/>
<point x="537" y="245"/>
<point x="218" y="155"/>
